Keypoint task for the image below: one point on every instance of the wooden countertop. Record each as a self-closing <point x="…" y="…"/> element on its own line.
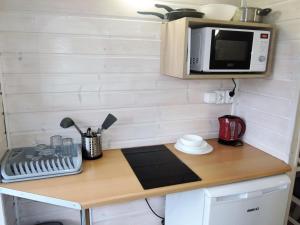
<point x="110" y="179"/>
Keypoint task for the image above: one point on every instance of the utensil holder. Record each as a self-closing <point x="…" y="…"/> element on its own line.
<point x="91" y="147"/>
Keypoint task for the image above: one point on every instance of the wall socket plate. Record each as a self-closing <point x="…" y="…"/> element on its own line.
<point x="218" y="97"/>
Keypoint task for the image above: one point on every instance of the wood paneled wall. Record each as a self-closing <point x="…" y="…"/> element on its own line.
<point x="84" y="59"/>
<point x="66" y="58"/>
<point x="269" y="105"/>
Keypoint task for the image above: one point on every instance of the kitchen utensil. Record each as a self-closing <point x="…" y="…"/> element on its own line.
<point x="31" y="163"/>
<point x="109" y="120"/>
<point x="232" y="128"/>
<point x="191" y="140"/>
<point x="68" y="122"/>
<point x="174" y="14"/>
<point x="219" y="11"/>
<point x="91" y="145"/>
<point x="169" y="9"/>
<point x="91" y="140"/>
<point x="56" y="141"/>
<point x="251" y="14"/>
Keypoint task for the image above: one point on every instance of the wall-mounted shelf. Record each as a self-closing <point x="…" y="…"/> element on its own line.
<point x="174" y="47"/>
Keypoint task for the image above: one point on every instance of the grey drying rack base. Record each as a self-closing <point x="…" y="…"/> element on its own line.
<point x="31" y="163"/>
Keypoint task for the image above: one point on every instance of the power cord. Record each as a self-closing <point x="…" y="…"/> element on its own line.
<point x="232" y="93"/>
<point x="160" y="217"/>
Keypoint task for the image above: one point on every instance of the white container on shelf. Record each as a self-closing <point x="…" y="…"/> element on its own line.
<point x="219" y="11"/>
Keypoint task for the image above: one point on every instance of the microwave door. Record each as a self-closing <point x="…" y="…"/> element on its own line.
<point x="230" y="50"/>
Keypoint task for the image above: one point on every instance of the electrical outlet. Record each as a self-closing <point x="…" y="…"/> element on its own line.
<point x="218" y="97"/>
<point x="228" y="98"/>
<point x="210" y="97"/>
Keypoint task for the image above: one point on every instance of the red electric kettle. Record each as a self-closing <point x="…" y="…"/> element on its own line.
<point x="232" y="128"/>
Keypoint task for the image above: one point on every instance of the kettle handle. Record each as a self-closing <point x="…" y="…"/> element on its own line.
<point x="243" y="127"/>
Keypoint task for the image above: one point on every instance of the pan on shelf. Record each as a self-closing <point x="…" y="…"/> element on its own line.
<point x="174" y="14"/>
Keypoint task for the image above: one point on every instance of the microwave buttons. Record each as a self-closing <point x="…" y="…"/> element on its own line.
<point x="262" y="58"/>
<point x="263" y="48"/>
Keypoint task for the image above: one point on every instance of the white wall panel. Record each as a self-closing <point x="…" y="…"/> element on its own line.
<point x="31" y="212"/>
<point x="101" y="7"/>
<point x="282" y="10"/>
<point x="92" y="82"/>
<point x="267" y="120"/>
<point x="277" y="88"/>
<point x="84" y="59"/>
<point x="269" y="105"/>
<point x="46" y="63"/>
<point x="139" y="213"/>
<point x="77" y="44"/>
<point x="61" y="24"/>
<point x="288" y="30"/>
<point x="286" y="69"/>
<point x="271" y="142"/>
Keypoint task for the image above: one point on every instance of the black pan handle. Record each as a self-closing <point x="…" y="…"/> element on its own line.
<point x="153" y="14"/>
<point x="265" y="12"/>
<point x="168" y="8"/>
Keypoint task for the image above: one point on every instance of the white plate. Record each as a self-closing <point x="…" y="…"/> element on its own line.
<point x="205" y="150"/>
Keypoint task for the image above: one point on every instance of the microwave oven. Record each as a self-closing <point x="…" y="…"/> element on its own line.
<point x="224" y="50"/>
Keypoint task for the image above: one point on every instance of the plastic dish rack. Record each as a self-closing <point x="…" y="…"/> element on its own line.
<point x="32" y="163"/>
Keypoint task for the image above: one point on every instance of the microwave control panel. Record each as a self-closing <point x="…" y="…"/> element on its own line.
<point x="260" y="50"/>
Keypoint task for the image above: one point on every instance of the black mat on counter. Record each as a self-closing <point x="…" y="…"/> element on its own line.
<point x="157" y="166"/>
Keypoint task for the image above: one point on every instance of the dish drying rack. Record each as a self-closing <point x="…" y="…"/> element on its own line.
<point x="32" y="163"/>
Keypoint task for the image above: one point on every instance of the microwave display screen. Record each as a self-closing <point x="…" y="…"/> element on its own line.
<point x="226" y="50"/>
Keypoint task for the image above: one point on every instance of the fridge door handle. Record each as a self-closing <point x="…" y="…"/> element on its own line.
<point x="249" y="195"/>
<point x="279" y="188"/>
<point x="239" y="196"/>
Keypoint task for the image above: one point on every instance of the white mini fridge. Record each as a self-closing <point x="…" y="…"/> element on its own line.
<point x="255" y="202"/>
